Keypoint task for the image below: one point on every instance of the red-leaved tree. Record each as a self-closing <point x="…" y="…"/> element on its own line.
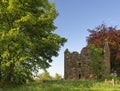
<point x="102" y="32"/>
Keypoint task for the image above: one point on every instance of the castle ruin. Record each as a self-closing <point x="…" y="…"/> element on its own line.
<point x="78" y="65"/>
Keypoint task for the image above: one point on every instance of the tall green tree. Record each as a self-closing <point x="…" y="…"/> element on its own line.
<point x="27" y="38"/>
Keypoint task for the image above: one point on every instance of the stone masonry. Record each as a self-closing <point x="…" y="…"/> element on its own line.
<point x="78" y="65"/>
<point x="106" y="59"/>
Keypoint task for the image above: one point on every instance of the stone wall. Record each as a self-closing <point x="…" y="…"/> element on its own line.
<point x="71" y="65"/>
<point x="77" y="65"/>
<point x="86" y="65"/>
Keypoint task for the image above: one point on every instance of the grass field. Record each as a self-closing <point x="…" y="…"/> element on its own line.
<point x="80" y="85"/>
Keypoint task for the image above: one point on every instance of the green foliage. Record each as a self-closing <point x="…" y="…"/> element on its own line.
<point x="45" y="76"/>
<point x="81" y="85"/>
<point x="57" y="77"/>
<point x="96" y="59"/>
<point x="27" y="38"/>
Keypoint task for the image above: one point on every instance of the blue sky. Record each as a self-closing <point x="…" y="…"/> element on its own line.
<point x="75" y="17"/>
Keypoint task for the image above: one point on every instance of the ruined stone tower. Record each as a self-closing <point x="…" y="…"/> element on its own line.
<point x="78" y="65"/>
<point x="106" y="58"/>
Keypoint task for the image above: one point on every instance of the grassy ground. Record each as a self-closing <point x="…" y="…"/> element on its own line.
<point x="67" y="86"/>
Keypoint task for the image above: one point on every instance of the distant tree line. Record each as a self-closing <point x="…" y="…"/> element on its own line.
<point x="45" y="76"/>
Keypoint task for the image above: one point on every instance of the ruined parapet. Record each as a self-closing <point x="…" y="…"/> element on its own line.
<point x="106" y="59"/>
<point x="86" y="63"/>
<point x="71" y="65"/>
